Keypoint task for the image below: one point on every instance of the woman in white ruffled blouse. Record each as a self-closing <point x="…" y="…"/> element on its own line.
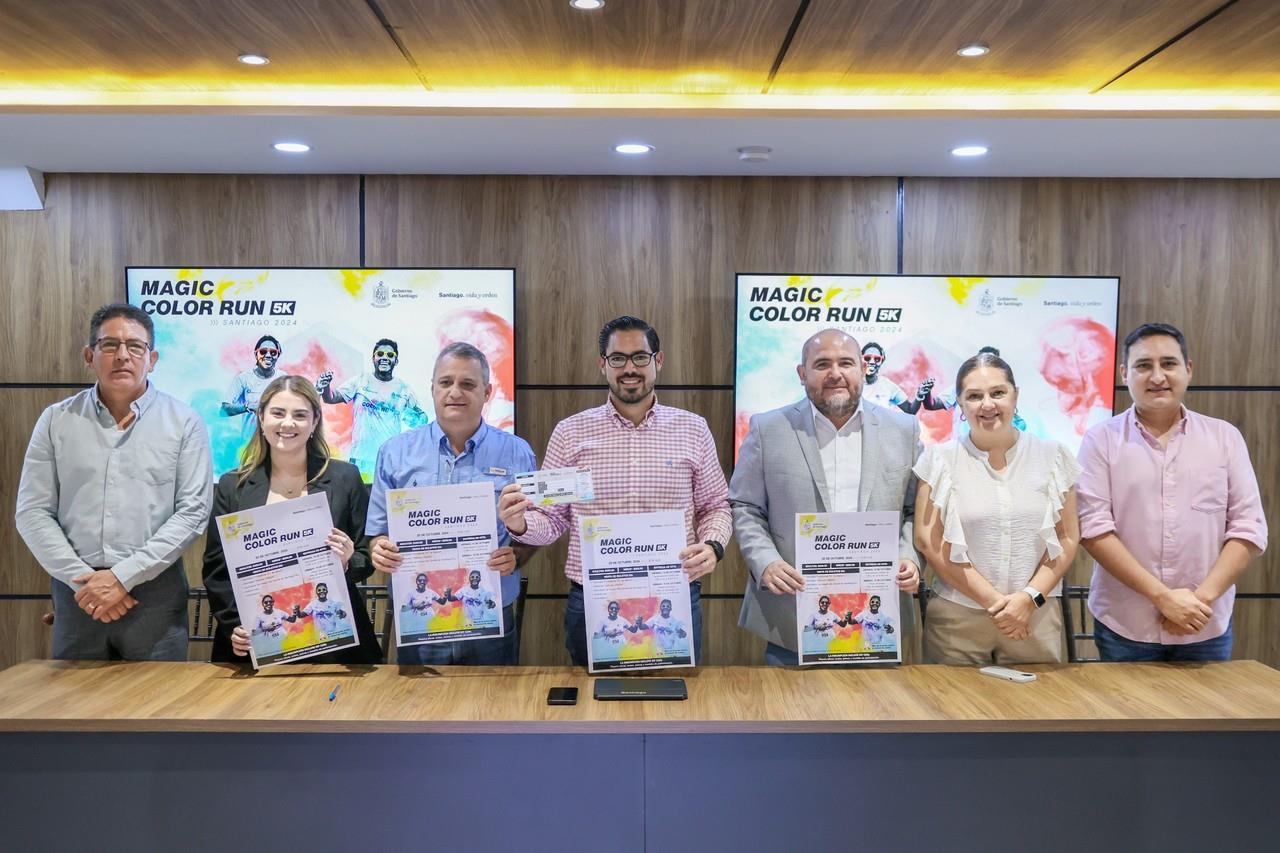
<point x="996" y="519"/>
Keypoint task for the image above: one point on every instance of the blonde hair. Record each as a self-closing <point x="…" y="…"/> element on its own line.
<point x="258" y="451"/>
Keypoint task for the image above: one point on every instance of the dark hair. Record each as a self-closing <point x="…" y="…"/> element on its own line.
<point x="991" y="350"/>
<point x="395" y="346"/>
<point x="466" y="351"/>
<point x="983" y="359"/>
<point x="266" y="338"/>
<point x="869" y="344"/>
<point x="121" y="309"/>
<point x="1147" y="330"/>
<point x="627" y="323"/>
<point x="664" y="601"/>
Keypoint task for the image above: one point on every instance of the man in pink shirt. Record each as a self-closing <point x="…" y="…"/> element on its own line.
<point x="644" y="457"/>
<point x="1170" y="511"/>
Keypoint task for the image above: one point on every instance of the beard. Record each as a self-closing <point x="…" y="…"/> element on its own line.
<point x="840" y="407"/>
<point x="631" y="394"/>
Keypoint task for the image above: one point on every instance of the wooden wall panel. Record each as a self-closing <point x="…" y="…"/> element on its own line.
<point x="1256" y="626"/>
<point x="662" y="248"/>
<point x="62" y="262"/>
<point x="1201" y="254"/>
<point x="22" y="635"/>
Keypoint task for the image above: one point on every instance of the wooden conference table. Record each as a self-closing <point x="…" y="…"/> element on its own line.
<point x="197" y="756"/>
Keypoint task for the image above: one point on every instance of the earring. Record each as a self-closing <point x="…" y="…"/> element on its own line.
<point x="962" y="417"/>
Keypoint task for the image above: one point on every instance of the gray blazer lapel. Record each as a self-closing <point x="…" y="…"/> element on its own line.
<point x="870" y="454"/>
<point x="801" y="418"/>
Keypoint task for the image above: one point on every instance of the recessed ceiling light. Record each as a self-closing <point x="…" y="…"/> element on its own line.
<point x="976" y="49"/>
<point x="587" y="5"/>
<point x="633" y="148"/>
<point x="292" y="147"/>
<point x="969" y="151"/>
<point x="253" y="59"/>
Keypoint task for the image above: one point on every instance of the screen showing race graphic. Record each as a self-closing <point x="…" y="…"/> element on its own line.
<point x="1058" y="335"/>
<point x="367" y="338"/>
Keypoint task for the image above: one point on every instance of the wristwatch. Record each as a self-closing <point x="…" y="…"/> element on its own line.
<point x="1036" y="595"/>
<point x="717" y="547"/>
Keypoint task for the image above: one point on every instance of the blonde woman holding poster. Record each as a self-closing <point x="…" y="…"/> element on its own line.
<point x="996" y="519"/>
<point x="287" y="458"/>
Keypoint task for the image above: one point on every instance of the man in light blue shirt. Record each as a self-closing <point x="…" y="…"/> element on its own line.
<point x="117" y="481"/>
<point x="458" y="447"/>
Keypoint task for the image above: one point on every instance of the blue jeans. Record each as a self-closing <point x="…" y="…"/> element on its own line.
<point x="494" y="651"/>
<point x="1115" y="648"/>
<point x="575" y="623"/>
<point x="155" y="629"/>
<point x="776" y="655"/>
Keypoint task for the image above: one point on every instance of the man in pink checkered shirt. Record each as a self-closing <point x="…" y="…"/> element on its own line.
<point x="644" y="457"/>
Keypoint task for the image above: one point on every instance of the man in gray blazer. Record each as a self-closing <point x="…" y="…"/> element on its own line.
<point x="831" y="452"/>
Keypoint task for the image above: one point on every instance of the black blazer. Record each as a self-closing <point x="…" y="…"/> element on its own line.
<point x="348" y="503"/>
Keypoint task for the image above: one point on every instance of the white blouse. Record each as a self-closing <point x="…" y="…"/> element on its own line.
<point x="1002" y="522"/>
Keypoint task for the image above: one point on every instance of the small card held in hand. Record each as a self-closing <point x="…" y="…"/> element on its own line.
<point x="557" y="486"/>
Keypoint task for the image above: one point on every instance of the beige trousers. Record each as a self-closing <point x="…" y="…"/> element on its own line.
<point x="964" y="636"/>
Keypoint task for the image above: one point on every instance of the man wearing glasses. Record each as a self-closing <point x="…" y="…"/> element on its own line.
<point x="382" y="405"/>
<point x="246" y="388"/>
<point x="116" y="482"/>
<point x="644" y="457"/>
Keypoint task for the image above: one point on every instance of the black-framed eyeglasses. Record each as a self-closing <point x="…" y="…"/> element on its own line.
<point x="384" y="353"/>
<point x="110" y="346"/>
<point x="618" y="359"/>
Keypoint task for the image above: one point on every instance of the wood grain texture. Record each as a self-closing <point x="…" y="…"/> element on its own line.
<point x="22" y="635"/>
<point x="1235" y="52"/>
<point x="157" y="697"/>
<point x="73" y="253"/>
<point x="1201" y="254"/>
<point x="684" y="46"/>
<point x="662" y="248"/>
<point x="151" y="45"/>
<point x="909" y="46"/>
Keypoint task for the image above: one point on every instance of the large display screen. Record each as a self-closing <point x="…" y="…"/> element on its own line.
<point x="370" y="335"/>
<point x="1058" y="335"/>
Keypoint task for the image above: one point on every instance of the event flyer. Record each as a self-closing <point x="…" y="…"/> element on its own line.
<point x="444" y="590"/>
<point x="848" y="612"/>
<point x="635" y="592"/>
<point x="289" y="587"/>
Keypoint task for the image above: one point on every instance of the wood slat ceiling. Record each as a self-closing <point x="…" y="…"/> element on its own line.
<point x="682" y="46"/>
<point x="1038" y="46"/>
<point x="851" y="47"/>
<point x="1238" y="51"/>
<point x="121" y="45"/>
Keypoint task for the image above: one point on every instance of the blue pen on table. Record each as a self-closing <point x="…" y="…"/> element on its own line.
<point x="334" y="695"/>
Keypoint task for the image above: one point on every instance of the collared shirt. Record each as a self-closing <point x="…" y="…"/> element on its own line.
<point x="668" y="462"/>
<point x="1003" y="522"/>
<point x="95" y="495"/>
<point x="841" y="452"/>
<point x="424" y="457"/>
<point x="1173" y="508"/>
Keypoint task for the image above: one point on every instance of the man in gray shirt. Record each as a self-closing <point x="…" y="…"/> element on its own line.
<point x="116" y="482"/>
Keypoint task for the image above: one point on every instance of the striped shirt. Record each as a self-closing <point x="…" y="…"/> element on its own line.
<point x="668" y="462"/>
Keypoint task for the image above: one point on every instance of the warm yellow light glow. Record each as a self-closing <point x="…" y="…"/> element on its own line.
<point x="363" y="99"/>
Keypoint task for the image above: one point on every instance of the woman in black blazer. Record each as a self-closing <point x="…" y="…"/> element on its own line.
<point x="287" y="458"/>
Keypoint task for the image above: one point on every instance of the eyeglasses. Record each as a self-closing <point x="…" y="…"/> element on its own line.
<point x="639" y="359"/>
<point x="110" y="346"/>
<point x="384" y="353"/>
<point x="267" y="352"/>
<point x="872" y="359"/>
